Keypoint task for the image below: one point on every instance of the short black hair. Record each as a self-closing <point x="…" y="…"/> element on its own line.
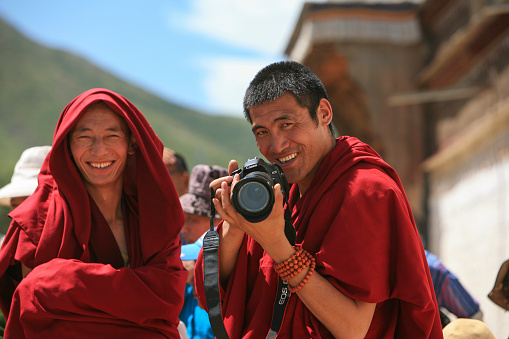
<point x="180" y="163"/>
<point x="279" y="78"/>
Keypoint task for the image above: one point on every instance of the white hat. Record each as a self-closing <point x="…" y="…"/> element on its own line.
<point x="24" y="179"/>
<point x="463" y="328"/>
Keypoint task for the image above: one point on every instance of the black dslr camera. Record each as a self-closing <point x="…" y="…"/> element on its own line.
<point x="253" y="195"/>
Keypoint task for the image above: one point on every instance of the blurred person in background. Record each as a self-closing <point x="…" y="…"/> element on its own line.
<point x="195" y="318"/>
<point x="450" y="293"/>
<point x="177" y="166"/>
<point x="196" y="206"/>
<point x="23" y="184"/>
<point x="196" y="202"/>
<point x="499" y="294"/>
<point x="24" y="179"/>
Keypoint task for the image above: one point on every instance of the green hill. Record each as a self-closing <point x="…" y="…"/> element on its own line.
<point x="37" y="82"/>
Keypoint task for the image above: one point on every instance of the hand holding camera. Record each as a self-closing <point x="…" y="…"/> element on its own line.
<point x="247" y="199"/>
<point x="253" y="194"/>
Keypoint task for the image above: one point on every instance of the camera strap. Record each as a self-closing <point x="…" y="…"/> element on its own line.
<point x="283" y="294"/>
<point x="211" y="283"/>
<point x="211" y="279"/>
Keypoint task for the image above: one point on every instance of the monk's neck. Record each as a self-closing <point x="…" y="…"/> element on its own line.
<point x="109" y="203"/>
<point x="305" y="183"/>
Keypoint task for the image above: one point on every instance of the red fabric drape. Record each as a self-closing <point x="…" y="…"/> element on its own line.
<point x="355" y="219"/>
<point x="73" y="287"/>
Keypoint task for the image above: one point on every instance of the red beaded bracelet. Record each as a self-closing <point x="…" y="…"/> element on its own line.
<point x="294" y="265"/>
<point x="289" y="260"/>
<point x="290" y="267"/>
<point x="305" y="280"/>
<point x="303" y="261"/>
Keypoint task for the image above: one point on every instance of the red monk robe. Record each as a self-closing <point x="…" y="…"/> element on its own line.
<point x="79" y="286"/>
<point x="356" y="221"/>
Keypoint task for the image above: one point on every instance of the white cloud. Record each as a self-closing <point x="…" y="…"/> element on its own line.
<point x="226" y="81"/>
<point x="262" y="25"/>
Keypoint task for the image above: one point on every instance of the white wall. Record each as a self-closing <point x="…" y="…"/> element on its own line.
<point x="469" y="213"/>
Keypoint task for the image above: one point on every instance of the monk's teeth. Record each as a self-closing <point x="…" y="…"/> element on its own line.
<point x="288" y="158"/>
<point x="101" y="165"/>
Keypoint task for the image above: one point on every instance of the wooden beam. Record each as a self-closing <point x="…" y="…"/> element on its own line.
<point x="422" y="97"/>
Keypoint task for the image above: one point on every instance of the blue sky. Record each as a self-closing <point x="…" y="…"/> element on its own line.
<point x="198" y="53"/>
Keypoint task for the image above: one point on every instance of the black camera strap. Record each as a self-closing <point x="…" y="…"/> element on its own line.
<point x="211" y="283"/>
<point x="211" y="279"/>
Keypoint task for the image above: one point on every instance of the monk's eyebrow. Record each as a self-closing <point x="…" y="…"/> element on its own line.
<point x="81" y="129"/>
<point x="280" y="118"/>
<point x="255" y="128"/>
<point x="114" y="128"/>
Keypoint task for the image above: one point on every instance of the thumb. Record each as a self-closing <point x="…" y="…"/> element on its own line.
<point x="232" y="166"/>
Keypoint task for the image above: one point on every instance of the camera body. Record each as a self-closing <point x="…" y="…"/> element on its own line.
<point x="253" y="196"/>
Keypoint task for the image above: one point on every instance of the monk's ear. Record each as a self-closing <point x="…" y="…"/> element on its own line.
<point x="133" y="145"/>
<point x="324" y="112"/>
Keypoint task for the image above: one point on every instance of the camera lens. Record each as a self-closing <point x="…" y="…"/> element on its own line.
<point x="253" y="197"/>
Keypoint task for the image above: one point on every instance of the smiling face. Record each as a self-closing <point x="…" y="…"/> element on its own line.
<point x="287" y="135"/>
<point x="100" y="142"/>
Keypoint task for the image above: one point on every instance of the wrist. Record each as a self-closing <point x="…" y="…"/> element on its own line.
<point x="228" y="230"/>
<point x="280" y="250"/>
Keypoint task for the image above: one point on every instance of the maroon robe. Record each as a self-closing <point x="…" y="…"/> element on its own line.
<point x="79" y="286"/>
<point x="356" y="221"/>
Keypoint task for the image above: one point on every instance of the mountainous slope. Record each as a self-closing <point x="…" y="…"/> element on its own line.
<point x="37" y="82"/>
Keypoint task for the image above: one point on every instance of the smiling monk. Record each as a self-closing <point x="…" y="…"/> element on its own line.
<point x="95" y="251"/>
<point x="357" y="269"/>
